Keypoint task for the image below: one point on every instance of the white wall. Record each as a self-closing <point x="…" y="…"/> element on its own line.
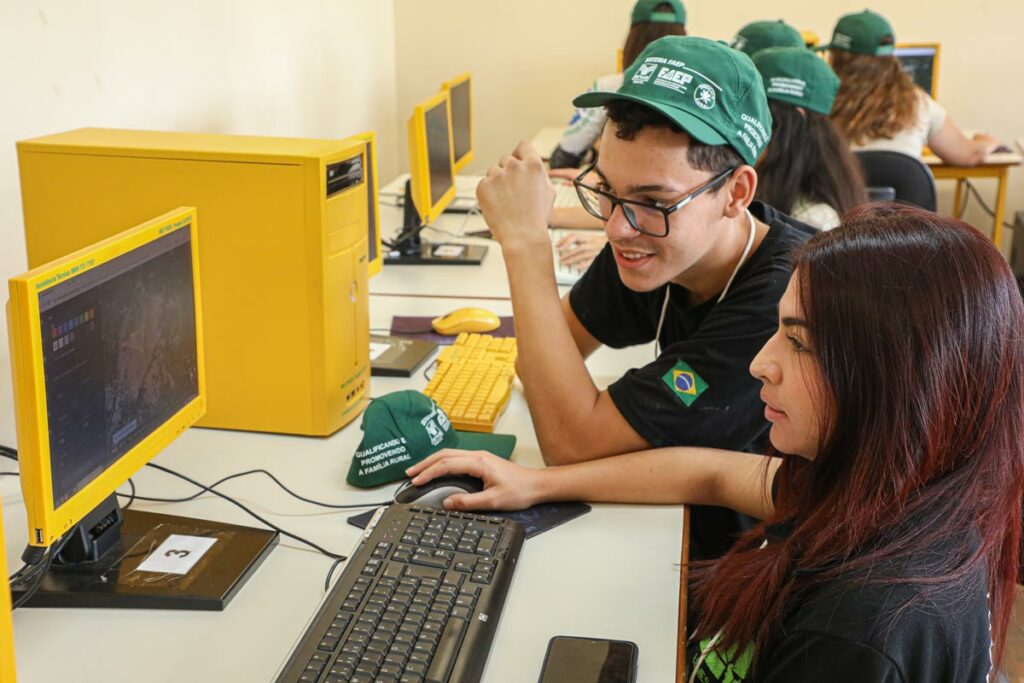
<point x="530" y="57"/>
<point x="306" y="68"/>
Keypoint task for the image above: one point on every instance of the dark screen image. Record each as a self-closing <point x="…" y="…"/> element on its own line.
<point x="584" y="660"/>
<point x="461" y="113"/>
<point x="119" y="357"/>
<point x="920" y="64"/>
<point x="438" y="152"/>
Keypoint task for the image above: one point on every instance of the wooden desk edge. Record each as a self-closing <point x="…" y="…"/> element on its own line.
<point x="684" y="570"/>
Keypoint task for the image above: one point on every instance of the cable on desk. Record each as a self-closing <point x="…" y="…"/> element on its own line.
<point x="234" y="502"/>
<point x="8" y="452"/>
<point x="333" y="506"/>
<point x="38" y="562"/>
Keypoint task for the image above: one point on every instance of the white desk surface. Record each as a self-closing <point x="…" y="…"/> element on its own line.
<point x="997" y="159"/>
<point x="611" y="573"/>
<point x="486" y="281"/>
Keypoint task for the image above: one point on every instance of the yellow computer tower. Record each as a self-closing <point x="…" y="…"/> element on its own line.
<point x="284" y="260"/>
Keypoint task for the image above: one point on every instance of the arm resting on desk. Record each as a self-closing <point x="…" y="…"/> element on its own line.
<point x="701" y="476"/>
<point x="953" y="147"/>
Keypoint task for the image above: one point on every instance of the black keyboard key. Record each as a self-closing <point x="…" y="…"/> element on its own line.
<point x="447" y="649"/>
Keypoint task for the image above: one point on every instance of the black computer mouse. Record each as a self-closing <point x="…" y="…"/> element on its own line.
<point x="433" y="493"/>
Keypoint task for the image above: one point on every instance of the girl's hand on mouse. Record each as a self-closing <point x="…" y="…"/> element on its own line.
<point x="507" y="486"/>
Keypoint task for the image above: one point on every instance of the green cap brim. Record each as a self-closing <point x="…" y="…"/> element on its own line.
<point x="684" y="119"/>
<point x="501" y="445"/>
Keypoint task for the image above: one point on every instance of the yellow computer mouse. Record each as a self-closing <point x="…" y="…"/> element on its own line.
<point x="466" y="320"/>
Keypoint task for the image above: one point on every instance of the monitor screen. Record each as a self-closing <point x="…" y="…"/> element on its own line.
<point x="119" y="357"/>
<point x="462" y="139"/>
<point x="439" y="151"/>
<point x="919" y="62"/>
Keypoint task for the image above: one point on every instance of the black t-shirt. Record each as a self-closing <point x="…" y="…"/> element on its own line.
<point x="715" y="402"/>
<point x="699" y="391"/>
<point x="852" y="630"/>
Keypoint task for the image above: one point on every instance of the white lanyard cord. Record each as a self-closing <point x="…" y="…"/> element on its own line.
<point x="743" y="259"/>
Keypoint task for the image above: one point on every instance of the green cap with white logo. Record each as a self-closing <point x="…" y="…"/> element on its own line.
<point x="672" y="12"/>
<point x="404" y="427"/>
<point x="708" y="89"/>
<point x="866" y="33"/>
<point x="760" y="35"/>
<point x="797" y="76"/>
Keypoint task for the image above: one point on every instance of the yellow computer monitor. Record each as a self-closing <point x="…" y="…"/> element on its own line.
<point x="430" y="157"/>
<point x="6" y="627"/>
<point x="460" y="95"/>
<point x="107" y="360"/>
<point x="375" y="257"/>
<point x="618" y="61"/>
<point x="108" y="365"/>
<point x="921" y="61"/>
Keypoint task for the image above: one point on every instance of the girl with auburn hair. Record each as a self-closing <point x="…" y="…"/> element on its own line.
<point x="891" y="509"/>
<point x="880" y="108"/>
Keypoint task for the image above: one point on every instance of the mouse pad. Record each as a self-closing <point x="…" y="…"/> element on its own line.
<point x="535" y="520"/>
<point x="418" y="327"/>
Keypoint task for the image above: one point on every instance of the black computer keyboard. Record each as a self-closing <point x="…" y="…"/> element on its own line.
<point x="419" y="601"/>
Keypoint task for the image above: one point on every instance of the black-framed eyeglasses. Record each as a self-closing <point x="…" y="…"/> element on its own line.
<point x="643" y="217"/>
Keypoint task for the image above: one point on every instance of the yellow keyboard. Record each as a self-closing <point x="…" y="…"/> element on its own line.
<point x="473" y="380"/>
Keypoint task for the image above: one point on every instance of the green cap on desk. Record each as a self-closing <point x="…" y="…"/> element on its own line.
<point x="866" y="33"/>
<point x="708" y="89"/>
<point x="761" y="35"/>
<point x="647" y="11"/>
<point x="797" y="76"/>
<point x="404" y="427"/>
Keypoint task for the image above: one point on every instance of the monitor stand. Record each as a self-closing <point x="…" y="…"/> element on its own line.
<point x="128" y="559"/>
<point x="410" y="248"/>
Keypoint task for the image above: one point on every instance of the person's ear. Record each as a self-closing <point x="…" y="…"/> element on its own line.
<point x="739" y="189"/>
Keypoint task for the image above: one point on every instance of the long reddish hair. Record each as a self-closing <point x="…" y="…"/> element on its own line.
<point x="917" y="327"/>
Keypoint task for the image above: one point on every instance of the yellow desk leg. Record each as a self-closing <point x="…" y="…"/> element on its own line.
<point x="1000" y="210"/>
<point x="958" y="198"/>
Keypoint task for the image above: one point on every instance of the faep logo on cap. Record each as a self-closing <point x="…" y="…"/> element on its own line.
<point x="704" y="96"/>
<point x="644" y="73"/>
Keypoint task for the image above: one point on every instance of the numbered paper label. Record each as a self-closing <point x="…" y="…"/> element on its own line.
<point x="177" y="555"/>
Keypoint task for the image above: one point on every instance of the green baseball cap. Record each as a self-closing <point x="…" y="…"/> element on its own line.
<point x="759" y="35"/>
<point x="711" y="91"/>
<point x="404" y="427"/>
<point x="797" y="76"/>
<point x="866" y="33"/>
<point x="647" y="11"/>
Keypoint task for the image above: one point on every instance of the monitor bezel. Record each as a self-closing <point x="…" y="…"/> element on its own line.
<point x="47" y="523"/>
<point x="935" y="68"/>
<point x="419" y="159"/>
<point x="449" y="85"/>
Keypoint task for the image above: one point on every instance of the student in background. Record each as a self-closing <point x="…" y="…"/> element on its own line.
<point x="650" y="20"/>
<point x="808" y="170"/>
<point x="878" y="107"/>
<point x="891" y="524"/>
<point x="761" y="35"/>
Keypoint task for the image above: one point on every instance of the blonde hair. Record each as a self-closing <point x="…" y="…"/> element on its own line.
<point x="876" y="98"/>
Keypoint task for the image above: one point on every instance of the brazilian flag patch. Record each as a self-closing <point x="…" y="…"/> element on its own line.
<point x="685" y="383"/>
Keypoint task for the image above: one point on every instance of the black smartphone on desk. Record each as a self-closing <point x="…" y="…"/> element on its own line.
<point x="589" y="660"/>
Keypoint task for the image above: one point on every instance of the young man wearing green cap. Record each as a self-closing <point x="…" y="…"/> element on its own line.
<point x="691" y="263"/>
<point x="760" y="35"/>
<point x="650" y="20"/>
